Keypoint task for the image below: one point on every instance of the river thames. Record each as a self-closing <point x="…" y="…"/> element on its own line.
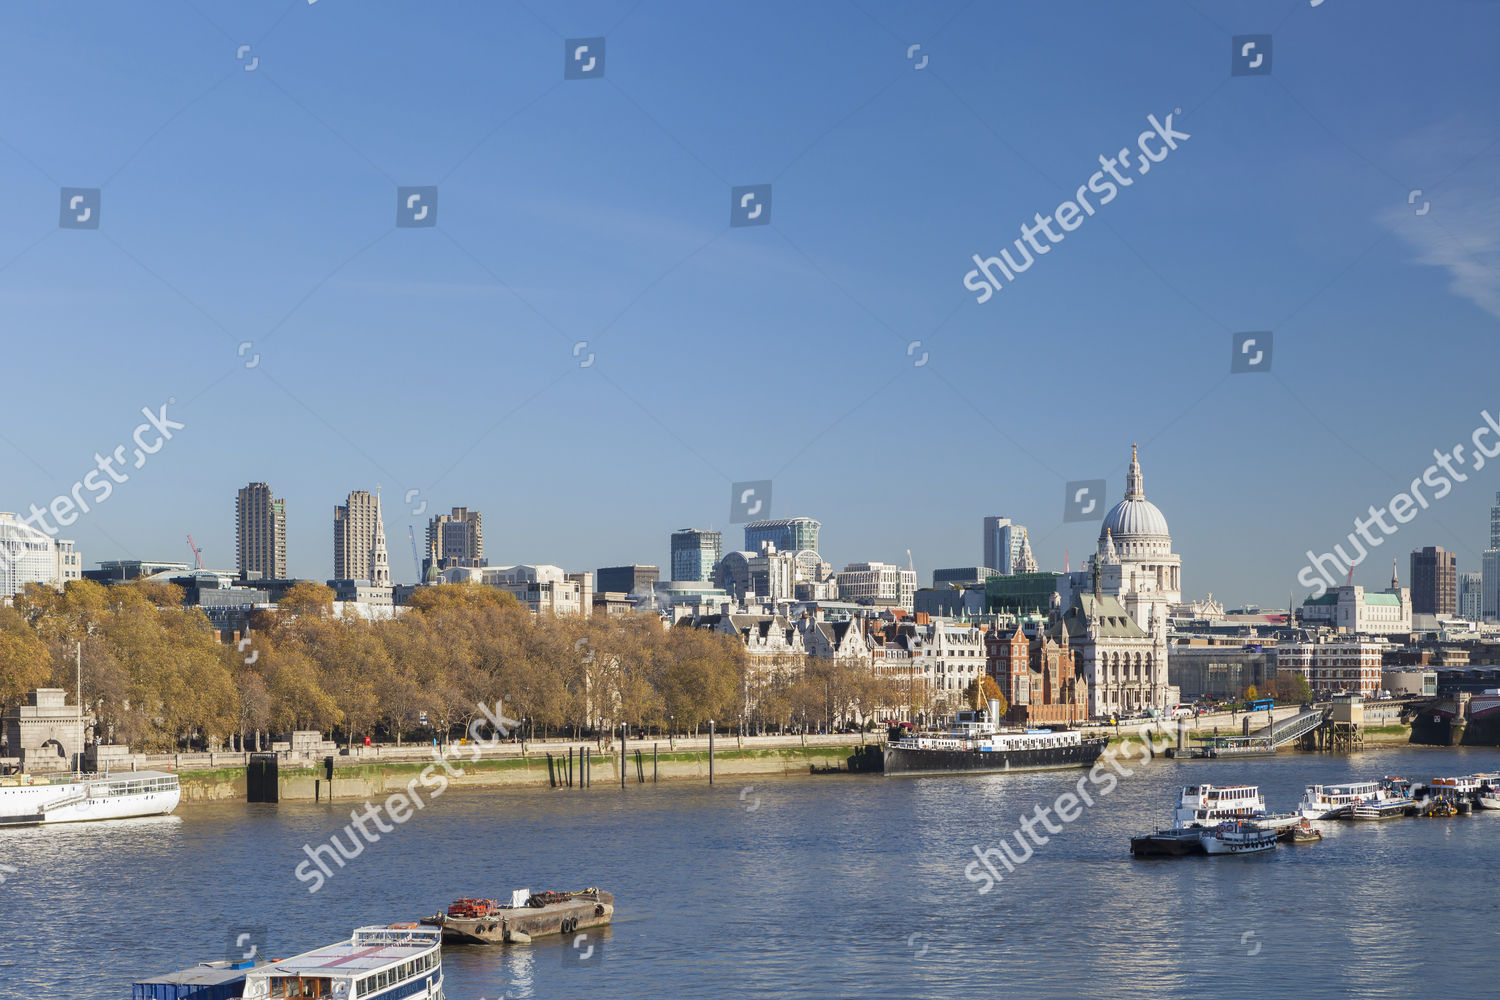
<point x="847" y="886"/>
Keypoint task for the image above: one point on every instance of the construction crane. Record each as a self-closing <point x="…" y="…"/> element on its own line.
<point x="411" y="533"/>
<point x="197" y="553"/>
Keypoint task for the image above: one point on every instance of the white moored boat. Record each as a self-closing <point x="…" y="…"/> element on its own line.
<point x="1466" y="787"/>
<point x="1238" y="838"/>
<point x="29" y="799"/>
<point x="394" y="962"/>
<point x="1210" y="805"/>
<point x="1339" y="801"/>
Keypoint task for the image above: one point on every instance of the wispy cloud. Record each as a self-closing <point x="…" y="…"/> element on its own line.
<point x="1455" y="224"/>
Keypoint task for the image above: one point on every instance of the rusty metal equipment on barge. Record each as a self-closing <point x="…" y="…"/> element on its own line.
<point x="527" y="915"/>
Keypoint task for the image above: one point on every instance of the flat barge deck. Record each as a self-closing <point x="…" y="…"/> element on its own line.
<point x="484" y="921"/>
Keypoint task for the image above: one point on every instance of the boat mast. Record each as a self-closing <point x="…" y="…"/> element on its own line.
<point x="78" y="677"/>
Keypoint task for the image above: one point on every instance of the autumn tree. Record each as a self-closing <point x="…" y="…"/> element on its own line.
<point x="24" y="659"/>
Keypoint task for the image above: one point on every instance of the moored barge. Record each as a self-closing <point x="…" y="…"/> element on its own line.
<point x="527" y="915"/>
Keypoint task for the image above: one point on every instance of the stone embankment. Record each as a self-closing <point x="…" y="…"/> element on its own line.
<point x="373" y="771"/>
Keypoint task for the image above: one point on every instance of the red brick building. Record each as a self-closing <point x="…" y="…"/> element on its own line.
<point x="1039" y="676"/>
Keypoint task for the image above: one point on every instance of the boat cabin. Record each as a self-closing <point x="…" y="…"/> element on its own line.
<point x="395" y="961"/>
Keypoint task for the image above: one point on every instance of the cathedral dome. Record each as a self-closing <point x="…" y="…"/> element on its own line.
<point x="1135" y="517"/>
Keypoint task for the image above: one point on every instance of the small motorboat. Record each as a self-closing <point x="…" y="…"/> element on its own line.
<point x="1303" y="833"/>
<point x="1438" y="808"/>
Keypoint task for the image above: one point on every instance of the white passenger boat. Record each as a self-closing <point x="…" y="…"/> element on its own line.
<point x="1210" y="805"/>
<point x="29" y="799"/>
<point x="1338" y="801"/>
<point x="1238" y="838"/>
<point x="394" y="962"/>
<point x="1465" y="787"/>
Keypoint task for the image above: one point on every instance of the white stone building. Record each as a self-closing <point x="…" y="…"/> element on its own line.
<point x="878" y="583"/>
<point x="1119" y="626"/>
<point x="949" y="655"/>
<point x="1351" y="609"/>
<point x="29" y="555"/>
<point x="543" y="588"/>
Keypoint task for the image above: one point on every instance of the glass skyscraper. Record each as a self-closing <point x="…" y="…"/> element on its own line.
<point x="790" y="534"/>
<point x="694" y="553"/>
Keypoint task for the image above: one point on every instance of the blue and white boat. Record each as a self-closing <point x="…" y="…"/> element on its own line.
<point x="393" y="962"/>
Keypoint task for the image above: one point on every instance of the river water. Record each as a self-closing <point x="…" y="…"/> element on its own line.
<point x="848" y="886"/>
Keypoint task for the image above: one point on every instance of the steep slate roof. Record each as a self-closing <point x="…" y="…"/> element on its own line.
<point x="1114" y="621"/>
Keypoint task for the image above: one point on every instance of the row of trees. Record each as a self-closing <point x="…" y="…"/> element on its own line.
<point x="156" y="676"/>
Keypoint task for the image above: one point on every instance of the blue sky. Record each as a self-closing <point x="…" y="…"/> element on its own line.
<point x="258" y="206"/>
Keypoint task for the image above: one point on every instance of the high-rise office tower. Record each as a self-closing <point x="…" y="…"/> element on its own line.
<point x="694" y="554"/>
<point x="457" y="539"/>
<point x="1490" y="607"/>
<point x="1434" y="581"/>
<point x="359" y="551"/>
<point x="1002" y="544"/>
<point x="1471" y="596"/>
<point x="260" y="533"/>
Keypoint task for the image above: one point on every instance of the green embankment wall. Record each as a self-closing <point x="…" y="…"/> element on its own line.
<point x="373" y="779"/>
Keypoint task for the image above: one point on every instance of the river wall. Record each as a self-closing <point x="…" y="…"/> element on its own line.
<point x="358" y="780"/>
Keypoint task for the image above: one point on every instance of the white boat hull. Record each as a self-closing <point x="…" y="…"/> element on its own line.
<point x="91" y="799"/>
<point x="1254" y="845"/>
<point x="124" y="807"/>
<point x="1319" y="813"/>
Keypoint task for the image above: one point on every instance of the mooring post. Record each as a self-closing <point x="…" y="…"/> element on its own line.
<point x="710" y="751"/>
<point x="551" y="777"/>
<point x="653" y="762"/>
<point x="624" y="729"/>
